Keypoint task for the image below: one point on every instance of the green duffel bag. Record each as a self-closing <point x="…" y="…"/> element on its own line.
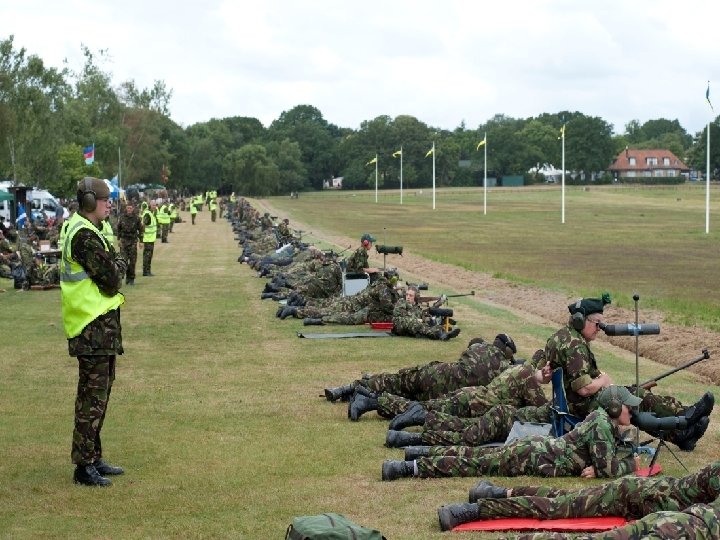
<point x="329" y="526"/>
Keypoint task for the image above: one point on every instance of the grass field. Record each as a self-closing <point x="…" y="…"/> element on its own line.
<point x="216" y="413"/>
<point x="624" y="240"/>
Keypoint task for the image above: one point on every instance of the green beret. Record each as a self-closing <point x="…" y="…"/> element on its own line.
<point x="588" y="306"/>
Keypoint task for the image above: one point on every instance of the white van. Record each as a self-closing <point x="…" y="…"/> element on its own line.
<point x="38" y="199"/>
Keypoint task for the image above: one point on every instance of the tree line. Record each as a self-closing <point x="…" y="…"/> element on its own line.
<point x="48" y="114"/>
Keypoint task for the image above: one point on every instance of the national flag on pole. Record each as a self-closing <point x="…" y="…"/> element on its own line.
<point x="398" y="153"/>
<point x="430" y="152"/>
<point x="373" y="160"/>
<point x="89" y="154"/>
<point x="562" y="132"/>
<point x="707" y="97"/>
<point x="481" y="143"/>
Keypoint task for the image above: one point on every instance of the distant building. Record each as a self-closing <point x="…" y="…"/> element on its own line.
<point x="632" y="163"/>
<point x="333" y="183"/>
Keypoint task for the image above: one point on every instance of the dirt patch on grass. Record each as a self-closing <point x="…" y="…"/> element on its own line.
<point x="674" y="346"/>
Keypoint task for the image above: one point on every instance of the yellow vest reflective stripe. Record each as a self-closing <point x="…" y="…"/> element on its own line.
<point x="82" y="300"/>
<point x="63" y="233"/>
<point x="150" y="233"/>
<point x="193" y="208"/>
<point x="173" y="212"/>
<point x="108" y="233"/>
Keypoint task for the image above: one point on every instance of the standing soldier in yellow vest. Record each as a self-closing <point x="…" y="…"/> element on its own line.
<point x="173" y="215"/>
<point x="193" y="209"/>
<point x="149" y="236"/>
<point x="213" y="209"/>
<point x="90" y="278"/>
<point x="163" y="219"/>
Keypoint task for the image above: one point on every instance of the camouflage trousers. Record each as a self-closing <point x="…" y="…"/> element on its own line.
<point x="411" y="326"/>
<point x="128" y="249"/>
<point x="334" y="317"/>
<point x="442" y="429"/>
<point x="531" y="456"/>
<point x="95" y="379"/>
<point x="164" y="230"/>
<point x="661" y="405"/>
<point x="213" y="215"/>
<point x="698" y="522"/>
<point x="468" y="402"/>
<point x="428" y="381"/>
<point x="631" y="497"/>
<point x="148" y="249"/>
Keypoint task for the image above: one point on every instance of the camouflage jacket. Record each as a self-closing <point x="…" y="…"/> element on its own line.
<point x="358" y="261"/>
<point x="130" y="228"/>
<point x="103" y="335"/>
<point x="568" y="349"/>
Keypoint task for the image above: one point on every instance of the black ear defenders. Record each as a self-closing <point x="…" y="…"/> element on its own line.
<point x="578" y="318"/>
<point x="86" y="197"/>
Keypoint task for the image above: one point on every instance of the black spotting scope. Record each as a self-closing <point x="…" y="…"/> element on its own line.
<point x="630" y="329"/>
<point x="389" y="250"/>
<point x="647" y="421"/>
<point x="441" y="312"/>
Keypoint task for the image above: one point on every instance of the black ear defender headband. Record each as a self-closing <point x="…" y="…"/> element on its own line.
<point x="87" y="199"/>
<point x="578" y="318"/>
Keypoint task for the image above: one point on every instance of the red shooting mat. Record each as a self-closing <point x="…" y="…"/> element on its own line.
<point x="534" y="524"/>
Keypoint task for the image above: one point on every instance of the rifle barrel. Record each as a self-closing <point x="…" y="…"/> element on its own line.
<point x="704" y="356"/>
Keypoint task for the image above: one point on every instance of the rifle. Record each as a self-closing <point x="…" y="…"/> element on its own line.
<point x="704" y="356"/>
<point x="420" y="286"/>
<point x="439" y="300"/>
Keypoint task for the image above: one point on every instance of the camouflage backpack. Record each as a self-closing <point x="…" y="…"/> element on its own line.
<point x="329" y="526"/>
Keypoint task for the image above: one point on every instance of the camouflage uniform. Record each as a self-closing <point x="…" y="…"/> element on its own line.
<point x="409" y="320"/>
<point x="697" y="522"/>
<point x="374" y="304"/>
<point x="358" y="261"/>
<point x="442" y="429"/>
<point x="43" y="274"/>
<point x="130" y="232"/>
<point x="568" y="349"/>
<point x="148" y="248"/>
<point x="95" y="347"/>
<point x="479" y="364"/>
<point x="515" y="386"/>
<point x="592" y="442"/>
<point x="631" y="497"/>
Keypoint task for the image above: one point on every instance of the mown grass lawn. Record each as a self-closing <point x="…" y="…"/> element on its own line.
<point x="216" y="413"/>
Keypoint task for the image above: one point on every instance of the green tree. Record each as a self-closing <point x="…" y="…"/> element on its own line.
<point x="251" y="171"/>
<point x="291" y="172"/>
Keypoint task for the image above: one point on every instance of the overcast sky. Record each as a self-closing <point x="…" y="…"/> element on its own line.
<point x="441" y="61"/>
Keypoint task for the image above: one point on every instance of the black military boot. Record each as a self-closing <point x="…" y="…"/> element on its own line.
<point x="266" y="295"/>
<point x="414" y="452"/>
<point x="452" y="515"/>
<point x="309" y="321"/>
<point x="703" y="407"/>
<point x="288" y="311"/>
<point x="414" y="415"/>
<point x="342" y="393"/>
<point x="393" y="469"/>
<point x="400" y="439"/>
<point x="688" y="438"/>
<point x="105" y="469"/>
<point x="279" y="311"/>
<point x="486" y="490"/>
<point x="360" y="404"/>
<point x="87" y="475"/>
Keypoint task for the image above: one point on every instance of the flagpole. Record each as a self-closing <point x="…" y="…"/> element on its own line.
<point x="401" y="173"/>
<point x="562" y="218"/>
<point x="485" y="177"/>
<point x="707" y="184"/>
<point x="433" y="153"/>
<point x="376" y="178"/>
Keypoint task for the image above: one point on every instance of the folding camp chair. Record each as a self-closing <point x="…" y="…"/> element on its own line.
<point x="562" y="420"/>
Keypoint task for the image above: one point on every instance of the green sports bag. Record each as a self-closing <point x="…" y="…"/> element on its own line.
<point x="329" y="526"/>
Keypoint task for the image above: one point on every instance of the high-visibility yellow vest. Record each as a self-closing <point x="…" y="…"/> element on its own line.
<point x="63" y="233"/>
<point x="150" y="232"/>
<point x="163" y="216"/>
<point x="193" y="208"/>
<point x="173" y="212"/>
<point x="108" y="233"/>
<point x="82" y="300"/>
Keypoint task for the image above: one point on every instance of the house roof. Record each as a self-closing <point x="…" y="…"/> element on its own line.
<point x="622" y="161"/>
